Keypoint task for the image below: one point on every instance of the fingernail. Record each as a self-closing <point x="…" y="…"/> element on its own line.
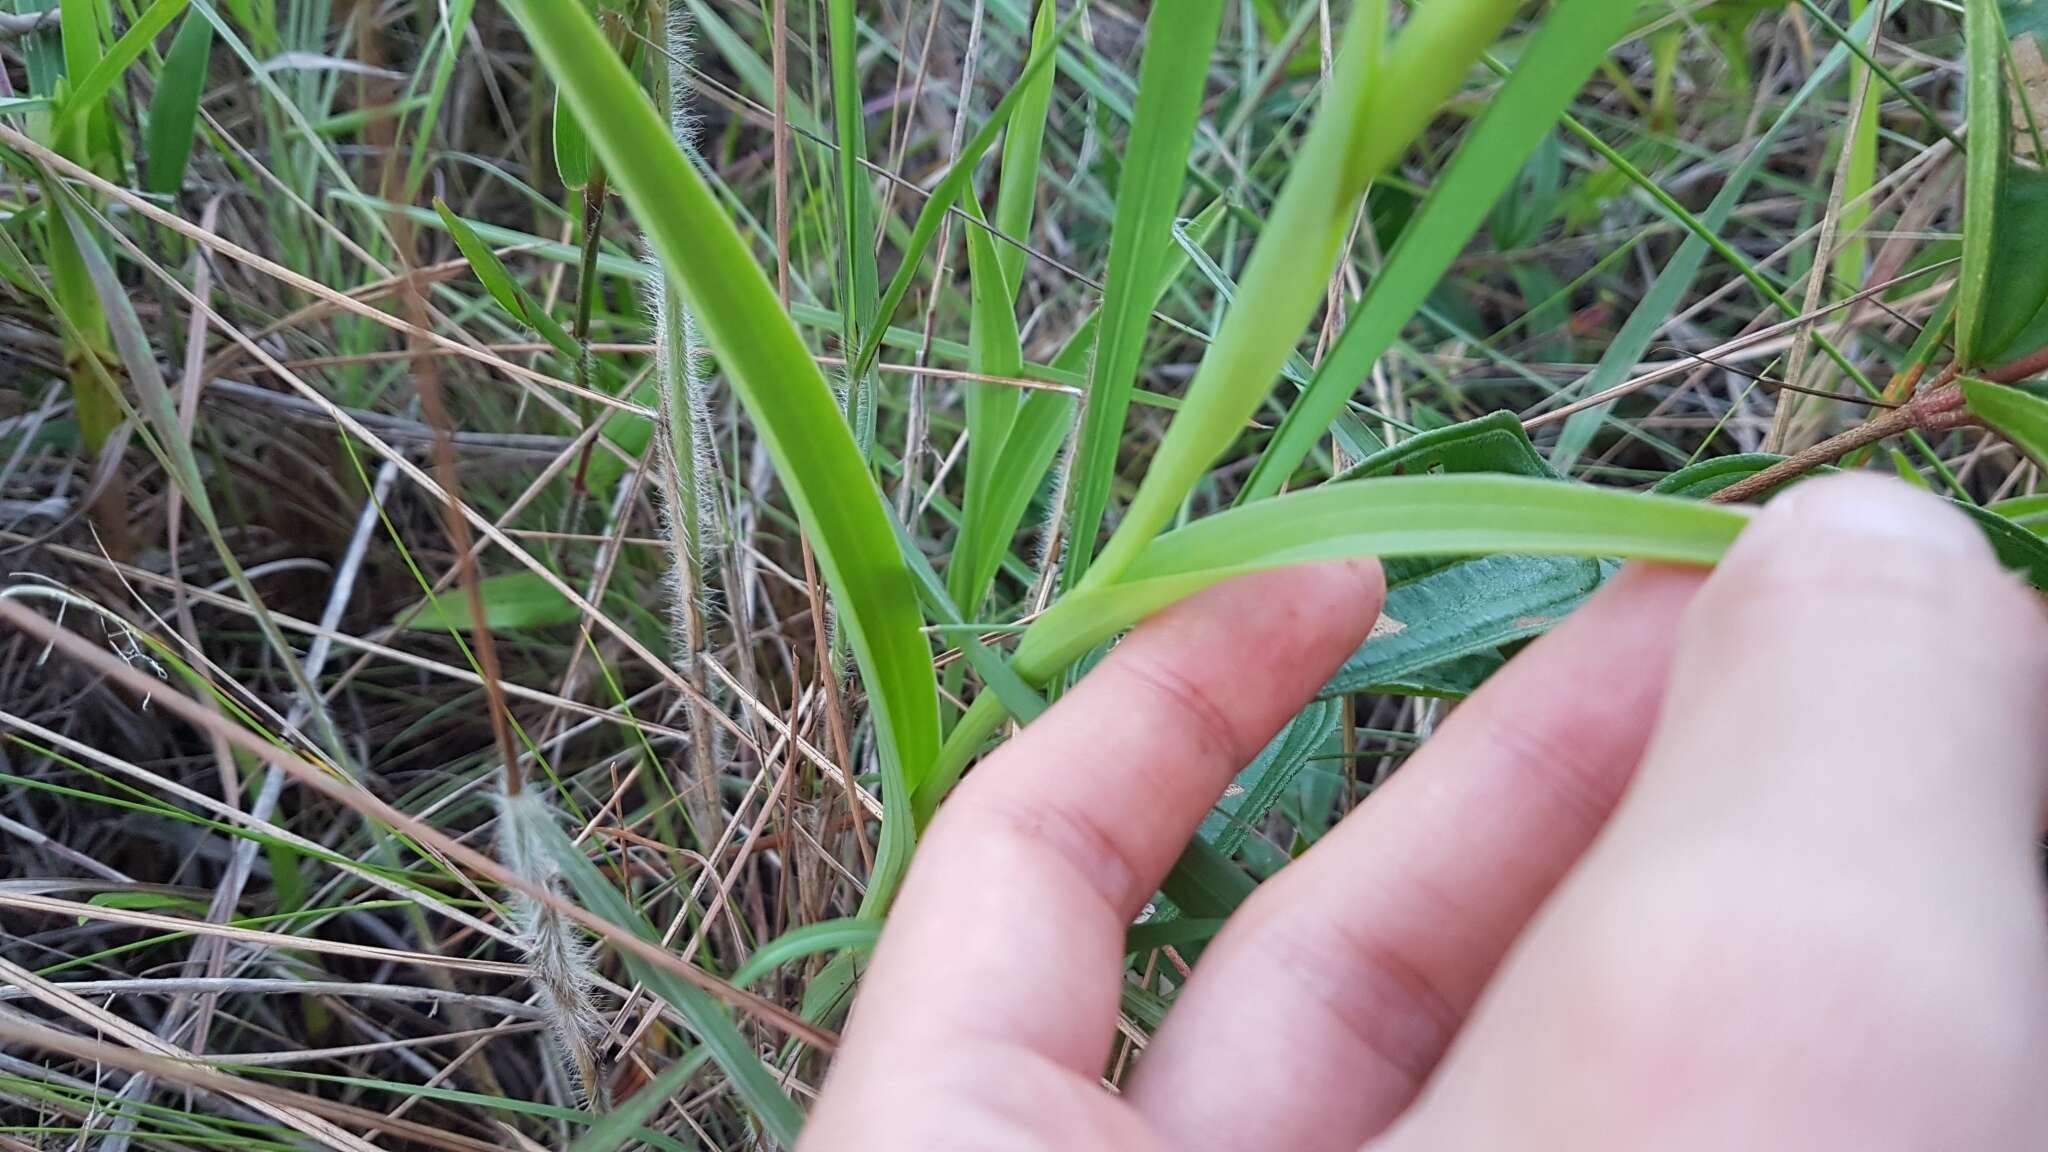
<point x="1873" y="507"/>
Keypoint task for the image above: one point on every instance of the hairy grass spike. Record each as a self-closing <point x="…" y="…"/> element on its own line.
<point x="556" y="954"/>
<point x="683" y="455"/>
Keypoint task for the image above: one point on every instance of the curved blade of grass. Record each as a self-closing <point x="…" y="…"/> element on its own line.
<point x="947" y="192"/>
<point x="792" y="407"/>
<point x="1577" y="34"/>
<point x="1987" y="155"/>
<point x="849" y="934"/>
<point x="1174" y="71"/>
<point x="1388" y="517"/>
<point x="175" y="109"/>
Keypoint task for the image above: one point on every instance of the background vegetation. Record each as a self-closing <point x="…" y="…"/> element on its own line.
<point x="515" y="514"/>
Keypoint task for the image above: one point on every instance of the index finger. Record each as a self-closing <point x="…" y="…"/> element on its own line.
<point x="1008" y="935"/>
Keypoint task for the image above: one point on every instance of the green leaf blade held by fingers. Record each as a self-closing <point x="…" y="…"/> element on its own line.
<point x="793" y="409"/>
<point x="1391" y="517"/>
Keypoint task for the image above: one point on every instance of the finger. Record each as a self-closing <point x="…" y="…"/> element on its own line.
<point x="1006" y="944"/>
<point x="1331" y="995"/>
<point x="1819" y="908"/>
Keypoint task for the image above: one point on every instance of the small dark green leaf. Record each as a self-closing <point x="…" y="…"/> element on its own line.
<point x="2014" y="321"/>
<point x="174" y="113"/>
<point x="513" y="600"/>
<point x="1256" y="789"/>
<point x="572" y="150"/>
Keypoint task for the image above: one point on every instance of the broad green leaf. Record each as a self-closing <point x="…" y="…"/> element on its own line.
<point x="1392" y="518"/>
<point x="793" y="409"/>
<point x="1553" y="67"/>
<point x="1254" y="791"/>
<point x="512" y="601"/>
<point x="855" y="934"/>
<point x="749" y="1078"/>
<point x="174" y="113"/>
<point x="1988" y="155"/>
<point x="571" y="146"/>
<point x="2014" y="317"/>
<point x="2020" y="417"/>
<point x="1468" y="609"/>
<point x="1172" y="76"/>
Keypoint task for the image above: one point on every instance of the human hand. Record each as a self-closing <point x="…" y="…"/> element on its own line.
<point x="1814" y="921"/>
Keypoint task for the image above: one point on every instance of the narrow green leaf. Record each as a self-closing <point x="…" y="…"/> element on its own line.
<point x="749" y="1078"/>
<point x="1574" y="37"/>
<point x="490" y="271"/>
<point x="946" y="194"/>
<point x="793" y="409"/>
<point x="1172" y="75"/>
<point x="2029" y="512"/>
<point x="852" y="934"/>
<point x="1023" y="140"/>
<point x="996" y="349"/>
<point x="859" y="276"/>
<point x="1984" y="72"/>
<point x="174" y="113"/>
<point x="2020" y="417"/>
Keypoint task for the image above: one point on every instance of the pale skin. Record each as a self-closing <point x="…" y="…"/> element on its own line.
<point x="1742" y="860"/>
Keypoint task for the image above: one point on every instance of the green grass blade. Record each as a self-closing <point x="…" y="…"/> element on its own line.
<point x="849" y="934"/>
<point x="1023" y="142"/>
<point x="623" y="1124"/>
<point x="88" y="92"/>
<point x="2020" y="417"/>
<point x="793" y="409"/>
<point x="1552" y="69"/>
<point x="1628" y="345"/>
<point x="749" y="1078"/>
<point x="996" y="350"/>
<point x="1180" y="39"/>
<point x="1987" y="157"/>
<point x="946" y="193"/>
<point x="175" y="110"/>
<point x="859" y="277"/>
